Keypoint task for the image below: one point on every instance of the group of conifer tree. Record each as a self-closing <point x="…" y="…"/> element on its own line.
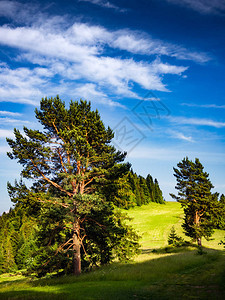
<point x="17" y="240"/>
<point x="133" y="189"/>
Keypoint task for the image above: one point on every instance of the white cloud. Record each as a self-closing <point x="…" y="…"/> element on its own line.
<point x="136" y="42"/>
<point x="141" y="43"/>
<point x="13" y="121"/>
<point x="20" y="12"/>
<point x="180" y="136"/>
<point x="203" y="6"/>
<point x="22" y="85"/>
<point x="164" y="68"/>
<point x="68" y="53"/>
<point x="81" y="41"/>
<point x="60" y="53"/>
<point x="45" y="43"/>
<point x="10" y="8"/>
<point x="85" y="34"/>
<point x="9" y="113"/>
<point x="204" y="105"/>
<point x="104" y="3"/>
<point x="197" y="121"/>
<point x="89" y="91"/>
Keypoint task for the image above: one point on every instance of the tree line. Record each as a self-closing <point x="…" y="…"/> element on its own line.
<point x="132" y="189"/>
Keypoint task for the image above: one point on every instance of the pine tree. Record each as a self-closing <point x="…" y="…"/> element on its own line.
<point x="122" y="196"/>
<point x="16" y="232"/>
<point x="9" y="260"/>
<point x="200" y="207"/>
<point x="151" y="187"/>
<point x="144" y="188"/>
<point x="68" y="163"/>
<point x="158" y="193"/>
<point x="174" y="239"/>
<point x="135" y="186"/>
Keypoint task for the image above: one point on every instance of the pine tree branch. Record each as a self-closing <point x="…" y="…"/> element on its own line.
<point x="61" y="160"/>
<point x="54" y="202"/>
<point x="88" y="182"/>
<point x="50" y="181"/>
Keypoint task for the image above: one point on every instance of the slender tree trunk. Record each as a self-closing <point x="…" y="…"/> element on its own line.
<point x="76" y="249"/>
<point x="197" y="222"/>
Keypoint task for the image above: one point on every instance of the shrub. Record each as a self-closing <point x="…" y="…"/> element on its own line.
<point x="174" y="239"/>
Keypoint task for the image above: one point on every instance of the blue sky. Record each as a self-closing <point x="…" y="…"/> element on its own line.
<point x="155" y="70"/>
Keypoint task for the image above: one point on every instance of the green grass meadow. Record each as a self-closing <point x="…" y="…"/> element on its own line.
<point x="159" y="272"/>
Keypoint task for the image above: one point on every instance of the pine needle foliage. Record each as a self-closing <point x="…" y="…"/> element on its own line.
<point x="194" y="194"/>
<point x="70" y="162"/>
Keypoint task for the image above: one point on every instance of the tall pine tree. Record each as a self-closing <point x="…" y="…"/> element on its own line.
<point x="68" y="162"/>
<point x="194" y="194"/>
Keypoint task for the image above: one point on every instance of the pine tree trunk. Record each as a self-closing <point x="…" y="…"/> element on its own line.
<point x="76" y="249"/>
<point x="197" y="222"/>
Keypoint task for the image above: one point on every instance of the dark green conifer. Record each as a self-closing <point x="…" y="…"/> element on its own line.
<point x="194" y="194"/>
<point x="69" y="162"/>
<point x="151" y="187"/>
<point x="144" y="189"/>
<point x="158" y="193"/>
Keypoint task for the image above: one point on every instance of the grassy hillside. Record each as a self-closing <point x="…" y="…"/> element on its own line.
<point x="154" y="222"/>
<point x="154" y="275"/>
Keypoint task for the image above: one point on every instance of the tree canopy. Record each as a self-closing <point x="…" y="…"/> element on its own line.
<point x="69" y="162"/>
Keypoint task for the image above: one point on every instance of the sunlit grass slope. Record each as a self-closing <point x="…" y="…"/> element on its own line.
<point x="154" y="222"/>
<point x="182" y="274"/>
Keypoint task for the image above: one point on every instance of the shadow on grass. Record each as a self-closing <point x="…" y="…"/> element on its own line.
<point x="181" y="275"/>
<point x="187" y="246"/>
<point x="147" y="251"/>
<point x="181" y="217"/>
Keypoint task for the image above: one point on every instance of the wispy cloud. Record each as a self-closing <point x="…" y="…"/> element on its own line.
<point x="13" y="121"/>
<point x="203" y="6"/>
<point x="21" y="85"/>
<point x="75" y="54"/>
<point x="81" y="33"/>
<point x="204" y="105"/>
<point x="132" y="41"/>
<point x="141" y="43"/>
<point x="89" y="91"/>
<point x="106" y="4"/>
<point x="70" y="53"/>
<point x="196" y="121"/>
<point x="9" y="113"/>
<point x="180" y="136"/>
<point x="21" y="12"/>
